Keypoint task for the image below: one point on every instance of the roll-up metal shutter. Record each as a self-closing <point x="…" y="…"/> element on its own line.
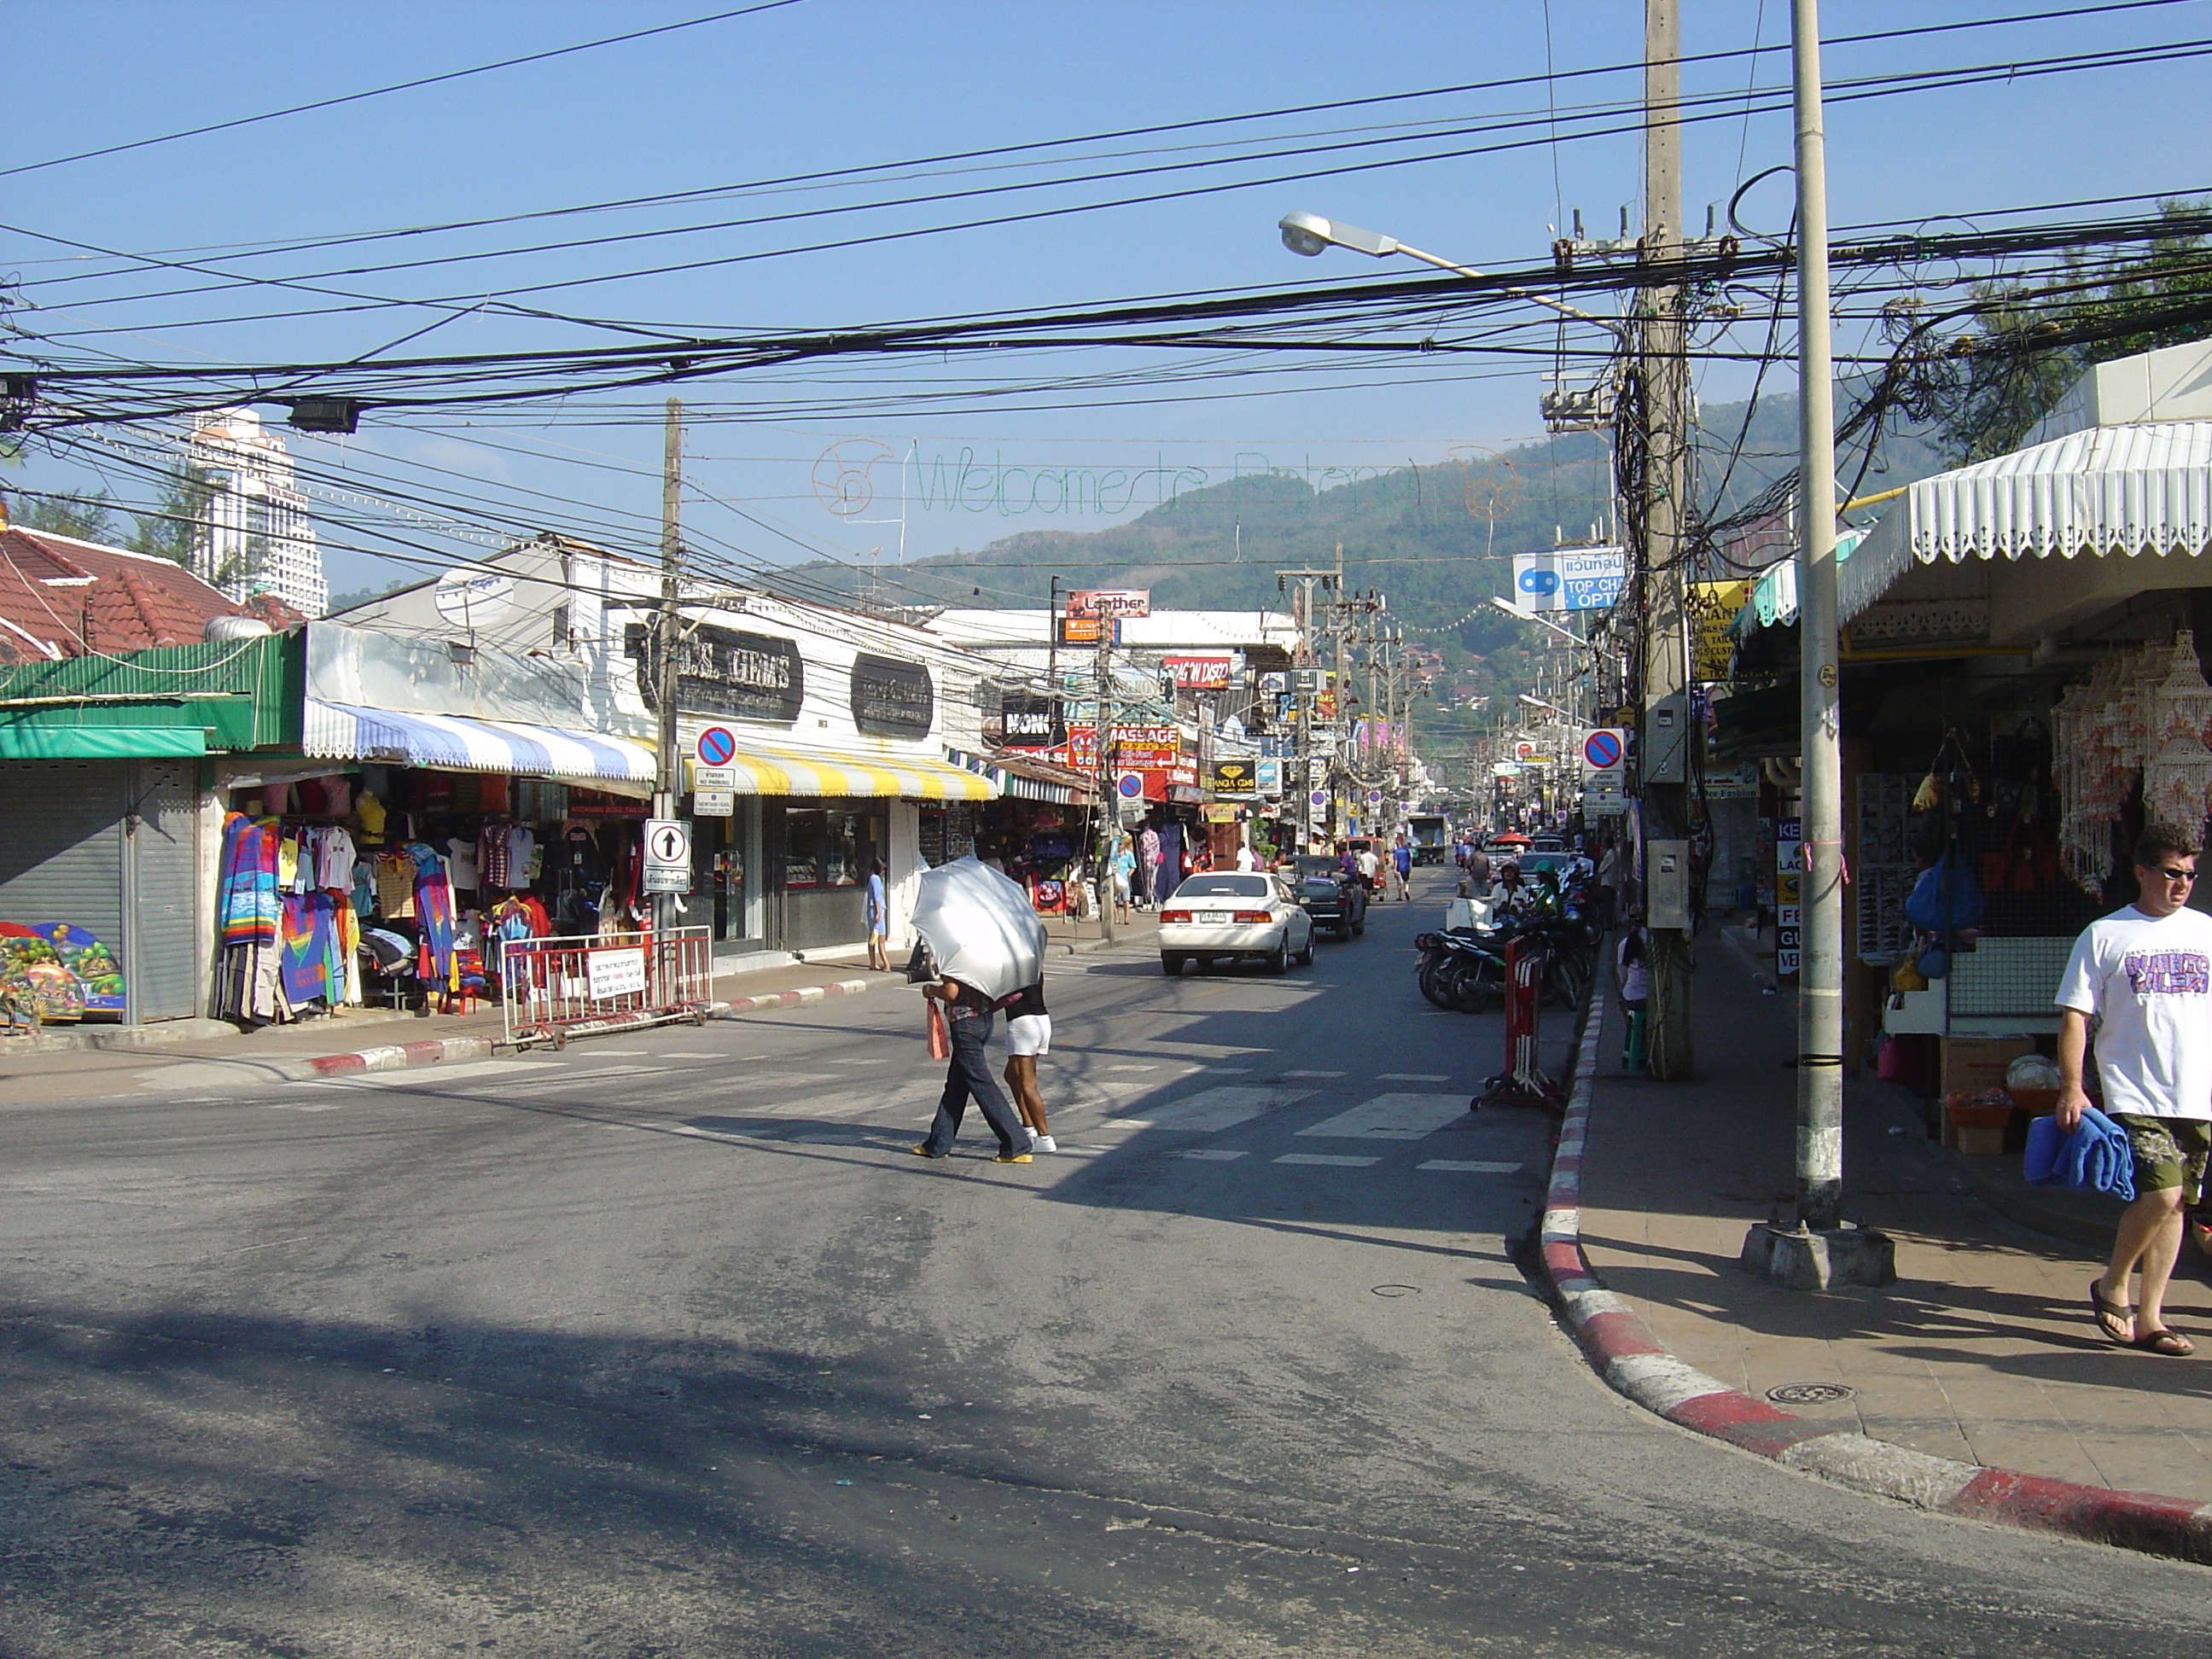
<point x="162" y="870"/>
<point x="61" y="844"/>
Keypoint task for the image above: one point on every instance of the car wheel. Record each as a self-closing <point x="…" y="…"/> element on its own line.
<point x="1306" y="956"/>
<point x="1171" y="964"/>
<point x="1279" y="959"/>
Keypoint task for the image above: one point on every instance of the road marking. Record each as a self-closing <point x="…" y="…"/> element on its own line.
<point x="1392" y="1117"/>
<point x="1211" y="1109"/>
<point x="1132" y="1068"/>
<point x="1312" y="1074"/>
<point x="1469" y="1166"/>
<point x="416" y="1077"/>
<point x="706" y="1054"/>
<point x="1413" y="1077"/>
<point x="1209" y="1155"/>
<point x="1333" y="1160"/>
<point x="610" y="1054"/>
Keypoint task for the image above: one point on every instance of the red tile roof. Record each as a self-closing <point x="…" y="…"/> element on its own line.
<point x="62" y="597"/>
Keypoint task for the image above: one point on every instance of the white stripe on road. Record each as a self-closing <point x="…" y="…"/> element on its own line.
<point x="1313" y="1074"/>
<point x="1393" y="1117"/>
<point x="1413" y="1077"/>
<point x="1333" y="1160"/>
<point x="1470" y="1166"/>
<point x="419" y="1076"/>
<point x="1210" y="1155"/>
<point x="1211" y="1109"/>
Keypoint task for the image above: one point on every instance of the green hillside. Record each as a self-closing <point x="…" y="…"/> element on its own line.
<point x="1438" y="541"/>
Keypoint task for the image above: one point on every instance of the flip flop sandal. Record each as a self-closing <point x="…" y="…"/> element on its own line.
<point x="2115" y="1319"/>
<point x="2172" y="1344"/>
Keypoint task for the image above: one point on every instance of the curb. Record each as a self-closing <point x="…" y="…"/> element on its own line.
<point x="1635" y="1363"/>
<point x="800" y="998"/>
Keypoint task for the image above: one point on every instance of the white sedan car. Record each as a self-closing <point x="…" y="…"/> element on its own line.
<point x="1232" y="914"/>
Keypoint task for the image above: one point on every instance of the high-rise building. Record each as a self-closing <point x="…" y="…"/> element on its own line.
<point x="255" y="535"/>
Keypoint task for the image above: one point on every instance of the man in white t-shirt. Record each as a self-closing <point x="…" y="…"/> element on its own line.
<point x="2145" y="974"/>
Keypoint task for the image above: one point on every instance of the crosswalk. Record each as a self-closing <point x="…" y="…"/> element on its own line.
<point x="1137" y="1104"/>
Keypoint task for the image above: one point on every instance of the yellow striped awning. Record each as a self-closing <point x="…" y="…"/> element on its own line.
<point x="775" y="770"/>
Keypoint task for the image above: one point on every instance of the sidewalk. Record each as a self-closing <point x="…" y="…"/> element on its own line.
<point x="31" y="1074"/>
<point x="1982" y="1353"/>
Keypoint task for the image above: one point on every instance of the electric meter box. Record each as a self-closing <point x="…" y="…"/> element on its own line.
<point x="1663" y="757"/>
<point x="1666" y="884"/>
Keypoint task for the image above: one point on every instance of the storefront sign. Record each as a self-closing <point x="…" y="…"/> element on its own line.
<point x="1712" y="607"/>
<point x="1111" y="602"/>
<point x="1034" y="722"/>
<point x="615" y="973"/>
<point x="1733" y="783"/>
<point x="1201" y="673"/>
<point x="722" y="671"/>
<point x="1220" y="812"/>
<point x="1235" y="777"/>
<point x="1148" y="748"/>
<point x="1569" y="578"/>
<point x="1268" y="776"/>
<point x="892" y="699"/>
<point x="1789" y="915"/>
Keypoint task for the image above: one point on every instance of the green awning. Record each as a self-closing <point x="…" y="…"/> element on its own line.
<point x="25" y="740"/>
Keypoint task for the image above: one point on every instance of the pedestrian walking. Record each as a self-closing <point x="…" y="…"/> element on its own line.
<point x="1608" y="884"/>
<point x="1124" y="868"/>
<point x="1633" y="966"/>
<point x="2145" y="974"/>
<point x="1477" y="872"/>
<point x="1402" y="860"/>
<point x="879" y="919"/>
<point x="1029" y="1039"/>
<point x="967" y="1075"/>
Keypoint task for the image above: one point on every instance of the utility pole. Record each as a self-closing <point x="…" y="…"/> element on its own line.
<point x="1302" y="612"/>
<point x="1819" y="1251"/>
<point x="1109" y="799"/>
<point x="1663" y="507"/>
<point x="669" y="782"/>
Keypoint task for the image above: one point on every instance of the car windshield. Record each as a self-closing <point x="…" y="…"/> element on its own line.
<point x="1312" y="865"/>
<point x="1255" y="887"/>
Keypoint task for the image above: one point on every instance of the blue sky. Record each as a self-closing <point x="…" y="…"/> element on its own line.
<point x="833" y="83"/>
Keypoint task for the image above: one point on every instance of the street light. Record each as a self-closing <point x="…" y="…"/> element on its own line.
<point x="1538" y="703"/>
<point x="1307" y="234"/>
<point x="1519" y="615"/>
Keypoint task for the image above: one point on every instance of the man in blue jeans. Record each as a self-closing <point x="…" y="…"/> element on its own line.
<point x="968" y="1021"/>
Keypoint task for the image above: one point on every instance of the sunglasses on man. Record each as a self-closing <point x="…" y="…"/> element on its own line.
<point x="2177" y="877"/>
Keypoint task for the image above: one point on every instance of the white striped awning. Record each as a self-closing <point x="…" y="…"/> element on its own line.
<point x="1019" y="782"/>
<point x="763" y="769"/>
<point x="2133" y="490"/>
<point x="343" y="731"/>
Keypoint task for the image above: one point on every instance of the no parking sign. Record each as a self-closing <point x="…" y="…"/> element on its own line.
<point x="1604" y="749"/>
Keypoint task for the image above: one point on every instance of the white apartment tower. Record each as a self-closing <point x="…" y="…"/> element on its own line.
<point x="255" y="535"/>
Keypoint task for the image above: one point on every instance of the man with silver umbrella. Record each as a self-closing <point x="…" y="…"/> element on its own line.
<point x="987" y="947"/>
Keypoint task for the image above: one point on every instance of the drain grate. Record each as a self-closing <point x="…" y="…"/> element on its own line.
<point x="1812" y="1394"/>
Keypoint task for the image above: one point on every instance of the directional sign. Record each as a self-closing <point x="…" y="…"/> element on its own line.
<point x="1602" y="748"/>
<point x="667" y="856"/>
<point x="717" y="746"/>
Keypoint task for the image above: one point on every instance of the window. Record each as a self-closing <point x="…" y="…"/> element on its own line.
<point x="1257" y="887"/>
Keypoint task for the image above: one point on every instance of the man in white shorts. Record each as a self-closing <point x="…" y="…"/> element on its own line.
<point x="2145" y="974"/>
<point x="1029" y="1035"/>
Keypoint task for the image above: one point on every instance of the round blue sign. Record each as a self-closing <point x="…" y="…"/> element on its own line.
<point x="1603" y="750"/>
<point x="1131" y="786"/>
<point x="716" y="747"/>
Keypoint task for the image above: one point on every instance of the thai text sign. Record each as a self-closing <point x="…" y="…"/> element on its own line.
<point x="1569" y="578"/>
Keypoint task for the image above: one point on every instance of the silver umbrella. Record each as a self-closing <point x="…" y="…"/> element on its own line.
<point x="980" y="928"/>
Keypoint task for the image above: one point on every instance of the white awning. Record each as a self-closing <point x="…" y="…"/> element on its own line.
<point x="2124" y="489"/>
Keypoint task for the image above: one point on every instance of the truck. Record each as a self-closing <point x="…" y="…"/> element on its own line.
<point x="1429" y="836"/>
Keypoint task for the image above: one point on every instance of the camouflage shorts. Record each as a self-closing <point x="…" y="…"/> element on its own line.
<point x="2169" y="1152"/>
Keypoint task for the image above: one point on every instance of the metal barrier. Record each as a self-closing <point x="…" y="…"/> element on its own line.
<point x="553" y="990"/>
<point x="1523" y="1083"/>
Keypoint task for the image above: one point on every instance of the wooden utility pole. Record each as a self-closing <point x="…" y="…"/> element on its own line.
<point x="669" y="638"/>
<point x="1663" y="505"/>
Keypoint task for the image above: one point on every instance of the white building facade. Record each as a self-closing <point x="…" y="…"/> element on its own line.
<point x="255" y="535"/>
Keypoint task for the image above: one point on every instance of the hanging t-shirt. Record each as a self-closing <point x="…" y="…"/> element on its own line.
<point x="2148" y="982"/>
<point x="462" y="870"/>
<point x="334" y="858"/>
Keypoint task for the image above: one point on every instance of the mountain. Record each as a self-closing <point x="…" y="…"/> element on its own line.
<point x="1437" y="541"/>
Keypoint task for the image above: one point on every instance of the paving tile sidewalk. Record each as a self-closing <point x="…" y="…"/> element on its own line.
<point x="31" y="1076"/>
<point x="1982" y="1352"/>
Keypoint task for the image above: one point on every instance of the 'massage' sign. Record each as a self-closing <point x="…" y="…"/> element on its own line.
<point x="892" y="699"/>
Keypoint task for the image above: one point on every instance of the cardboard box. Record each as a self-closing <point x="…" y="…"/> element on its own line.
<point x="1974" y="1064"/>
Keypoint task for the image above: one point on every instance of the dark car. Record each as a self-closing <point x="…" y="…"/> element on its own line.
<point x="1332" y="898"/>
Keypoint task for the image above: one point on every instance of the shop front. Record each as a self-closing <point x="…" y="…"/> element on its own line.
<point x="106" y="826"/>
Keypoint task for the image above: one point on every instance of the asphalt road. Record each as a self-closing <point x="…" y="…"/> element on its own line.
<point x="666" y="1346"/>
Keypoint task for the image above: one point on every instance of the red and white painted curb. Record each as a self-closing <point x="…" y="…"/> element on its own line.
<point x="797" y="999"/>
<point x="1635" y="1363"/>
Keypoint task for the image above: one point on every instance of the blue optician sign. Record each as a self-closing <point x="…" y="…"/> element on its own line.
<point x="1569" y="578"/>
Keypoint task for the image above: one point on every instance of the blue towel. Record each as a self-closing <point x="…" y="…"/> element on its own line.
<point x="2094" y="1158"/>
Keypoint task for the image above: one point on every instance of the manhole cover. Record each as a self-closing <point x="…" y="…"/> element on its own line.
<point x="1812" y="1394"/>
<point x="1397" y="1289"/>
